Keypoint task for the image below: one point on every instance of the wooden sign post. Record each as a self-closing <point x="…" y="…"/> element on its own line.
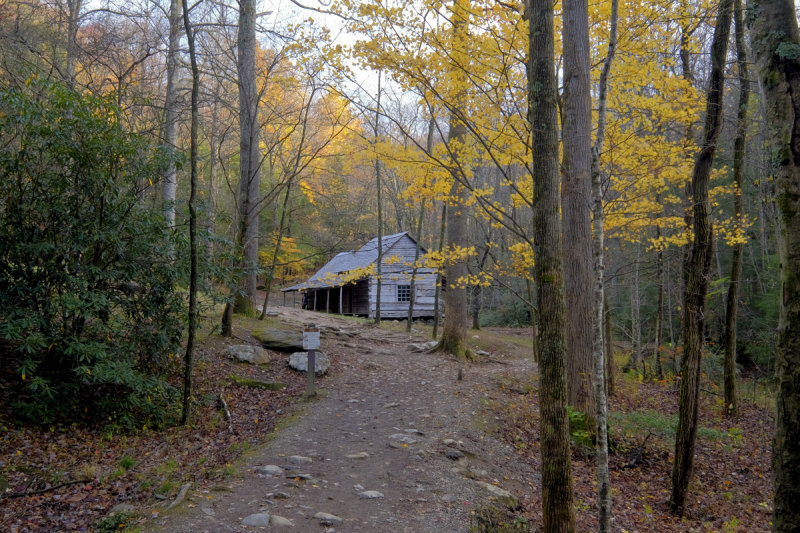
<point x="311" y="344"/>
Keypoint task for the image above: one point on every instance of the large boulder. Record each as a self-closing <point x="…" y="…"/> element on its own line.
<point x="247" y="353"/>
<point x="299" y="361"/>
<point x="280" y="339"/>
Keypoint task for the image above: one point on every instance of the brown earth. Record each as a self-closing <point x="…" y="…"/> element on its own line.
<point x="380" y="390"/>
<point x="396" y="413"/>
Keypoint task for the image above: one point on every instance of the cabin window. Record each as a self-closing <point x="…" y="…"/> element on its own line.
<point x="404" y="293"/>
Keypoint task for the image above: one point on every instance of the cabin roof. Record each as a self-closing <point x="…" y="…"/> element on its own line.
<point x="348" y="261"/>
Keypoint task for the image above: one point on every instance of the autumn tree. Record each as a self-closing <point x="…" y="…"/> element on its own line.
<point x="699" y="266"/>
<point x="454" y="330"/>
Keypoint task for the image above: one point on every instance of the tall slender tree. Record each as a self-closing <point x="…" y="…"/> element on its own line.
<point x="776" y="45"/>
<point x="378" y="186"/>
<point x="576" y="133"/>
<point x="599" y="331"/>
<point x="557" y="506"/>
<point x="188" y="359"/>
<point x="732" y="303"/>
<point x="169" y="183"/>
<point x="698" y="267"/>
<point x="249" y="158"/>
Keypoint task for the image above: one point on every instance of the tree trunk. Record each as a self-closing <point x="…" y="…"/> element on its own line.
<point x="188" y="359"/>
<point x="249" y="160"/>
<point x="477" y="289"/>
<point x="611" y="368"/>
<point x="698" y="271"/>
<point x="213" y="145"/>
<point x="73" y="22"/>
<point x="414" y="268"/>
<point x="438" y="294"/>
<point x="732" y="304"/>
<point x="454" y="330"/>
<point x="169" y="182"/>
<point x="659" y="301"/>
<point x="636" y="361"/>
<point x="429" y="147"/>
<point x="599" y="352"/>
<point x="776" y="44"/>
<point x="557" y="501"/>
<point x="379" y="260"/>
<point x="278" y="240"/>
<point x="577" y="199"/>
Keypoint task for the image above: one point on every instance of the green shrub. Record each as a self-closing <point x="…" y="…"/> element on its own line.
<point x="88" y="304"/>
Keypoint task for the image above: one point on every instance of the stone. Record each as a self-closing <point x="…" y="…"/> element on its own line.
<point x="392" y="404"/>
<point x="256" y="520"/>
<point x="370" y="494"/>
<point x="413" y="431"/>
<point x="279" y="495"/>
<point x="299" y="361"/>
<point x="122" y="508"/>
<point x="247" y="353"/>
<point x="328" y="519"/>
<point x="208" y="510"/>
<point x="301" y="477"/>
<point x="430" y="345"/>
<point x="269" y="470"/>
<point x="402" y="437"/>
<point x="359" y="455"/>
<point x="279" y="521"/>
<point x="299" y="460"/>
<point x="282" y="340"/>
<point x="455" y="455"/>
<point x="502" y="495"/>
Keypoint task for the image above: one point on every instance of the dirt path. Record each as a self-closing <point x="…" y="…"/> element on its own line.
<point x="380" y="429"/>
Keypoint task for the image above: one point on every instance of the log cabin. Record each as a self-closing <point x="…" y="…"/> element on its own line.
<point x="348" y="283"/>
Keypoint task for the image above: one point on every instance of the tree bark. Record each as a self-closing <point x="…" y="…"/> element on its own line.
<point x="698" y="271"/>
<point x="414" y="268"/>
<point x="379" y="260"/>
<point x="557" y="500"/>
<point x="776" y="44"/>
<point x="636" y="359"/>
<point x="611" y="368"/>
<point x="599" y="352"/>
<point x="732" y="304"/>
<point x="278" y="242"/>
<point x="439" y="277"/>
<point x="659" y="301"/>
<point x="188" y="359"/>
<point x="429" y="147"/>
<point x="454" y="329"/>
<point x="577" y="200"/>
<point x="73" y="22"/>
<point x="169" y="182"/>
<point x="249" y="160"/>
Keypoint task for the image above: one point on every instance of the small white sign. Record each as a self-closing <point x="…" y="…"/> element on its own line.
<point x="310" y="339"/>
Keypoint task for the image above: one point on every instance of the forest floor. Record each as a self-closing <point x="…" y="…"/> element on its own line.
<point x="397" y="441"/>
